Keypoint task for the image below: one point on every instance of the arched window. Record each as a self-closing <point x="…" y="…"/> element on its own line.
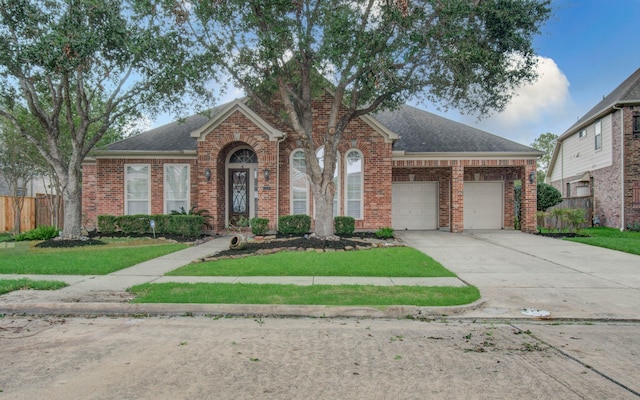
<point x="336" y="179"/>
<point x="299" y="186"/>
<point x="354" y="184"/>
<point x="244" y="156"/>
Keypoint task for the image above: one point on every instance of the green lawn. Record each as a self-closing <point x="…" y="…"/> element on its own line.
<point x="86" y="260"/>
<point x="381" y="262"/>
<point x="9" y="285"/>
<point x="610" y="238"/>
<point x="342" y="295"/>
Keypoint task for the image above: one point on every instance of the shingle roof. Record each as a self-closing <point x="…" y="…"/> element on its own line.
<point x="420" y="132"/>
<point x="423" y="132"/>
<point x="174" y="136"/>
<point x="627" y="92"/>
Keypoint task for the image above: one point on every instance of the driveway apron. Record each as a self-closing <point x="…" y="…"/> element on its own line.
<point x="519" y="274"/>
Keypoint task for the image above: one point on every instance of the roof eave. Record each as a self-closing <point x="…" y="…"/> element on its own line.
<point x="605" y="111"/>
<point x="401" y="154"/>
<point x="102" y="154"/>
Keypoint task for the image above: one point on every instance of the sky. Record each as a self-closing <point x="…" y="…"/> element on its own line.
<point x="586" y="49"/>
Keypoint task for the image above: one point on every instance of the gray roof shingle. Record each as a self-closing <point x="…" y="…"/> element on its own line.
<point x="420" y="132"/>
<point x="423" y="132"/>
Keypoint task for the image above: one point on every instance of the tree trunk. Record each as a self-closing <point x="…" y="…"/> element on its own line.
<point x="72" y="196"/>
<point x="323" y="205"/>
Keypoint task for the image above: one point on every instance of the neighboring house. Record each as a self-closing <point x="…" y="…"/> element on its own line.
<point x="408" y="169"/>
<point x="599" y="156"/>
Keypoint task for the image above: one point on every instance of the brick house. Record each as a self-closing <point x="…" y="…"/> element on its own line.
<point x="407" y="168"/>
<point x="599" y="156"/>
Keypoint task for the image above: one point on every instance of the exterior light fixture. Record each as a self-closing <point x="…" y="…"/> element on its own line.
<point x="207" y="174"/>
<point x="266" y="174"/>
<point x="532" y="176"/>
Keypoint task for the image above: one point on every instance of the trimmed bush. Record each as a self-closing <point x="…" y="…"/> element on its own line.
<point x="107" y="223"/>
<point x="180" y="224"/>
<point x="548" y="196"/>
<point x="43" y="232"/>
<point x="259" y="226"/>
<point x="344" y="226"/>
<point x="294" y="224"/>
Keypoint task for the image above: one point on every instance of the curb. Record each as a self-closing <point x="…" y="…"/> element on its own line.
<point x="240" y="310"/>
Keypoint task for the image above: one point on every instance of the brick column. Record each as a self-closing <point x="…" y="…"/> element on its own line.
<point x="529" y="200"/>
<point x="457" y="198"/>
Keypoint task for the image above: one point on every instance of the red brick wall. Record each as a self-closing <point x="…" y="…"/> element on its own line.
<point x="89" y="196"/>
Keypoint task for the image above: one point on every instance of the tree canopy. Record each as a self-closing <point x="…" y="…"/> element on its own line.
<point x="81" y="67"/>
<point x="545" y="143"/>
<point x="371" y="55"/>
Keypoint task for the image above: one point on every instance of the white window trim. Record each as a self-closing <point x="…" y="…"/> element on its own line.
<point x="165" y="186"/>
<point x="291" y="183"/>
<point x="126" y="200"/>
<point x="582" y="134"/>
<point x="597" y="132"/>
<point x="346" y="183"/>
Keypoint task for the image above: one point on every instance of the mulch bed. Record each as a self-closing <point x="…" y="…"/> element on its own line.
<point x="561" y="235"/>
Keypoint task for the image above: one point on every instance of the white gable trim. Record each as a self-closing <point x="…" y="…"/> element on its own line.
<point x="237" y="105"/>
<point x="388" y="135"/>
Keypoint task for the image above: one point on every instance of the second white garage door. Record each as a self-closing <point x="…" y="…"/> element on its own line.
<point x="483" y="205"/>
<point x="414" y="205"/>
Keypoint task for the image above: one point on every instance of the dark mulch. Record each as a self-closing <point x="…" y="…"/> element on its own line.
<point x="561" y="235"/>
<point x="94" y="239"/>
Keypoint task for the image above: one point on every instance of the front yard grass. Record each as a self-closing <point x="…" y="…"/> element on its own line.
<point x="9" y="285"/>
<point x="339" y="295"/>
<point x="380" y="262"/>
<point x="610" y="238"/>
<point x="86" y="260"/>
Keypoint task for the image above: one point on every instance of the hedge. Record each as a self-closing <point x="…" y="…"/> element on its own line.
<point x="184" y="225"/>
<point x="294" y="224"/>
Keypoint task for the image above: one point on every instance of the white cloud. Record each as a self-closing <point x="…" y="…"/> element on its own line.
<point x="534" y="108"/>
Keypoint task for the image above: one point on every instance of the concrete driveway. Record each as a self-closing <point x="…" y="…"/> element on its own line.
<point x="516" y="271"/>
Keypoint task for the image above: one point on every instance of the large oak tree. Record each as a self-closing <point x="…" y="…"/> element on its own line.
<point x="80" y="67"/>
<point x="371" y="54"/>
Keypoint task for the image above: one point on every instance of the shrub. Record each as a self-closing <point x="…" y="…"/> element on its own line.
<point x="178" y="224"/>
<point x="548" y="196"/>
<point x="43" y="232"/>
<point x="633" y="226"/>
<point x="575" y="217"/>
<point x="259" y="226"/>
<point x="294" y="224"/>
<point x="344" y="225"/>
<point x="384" y="233"/>
<point x="107" y="223"/>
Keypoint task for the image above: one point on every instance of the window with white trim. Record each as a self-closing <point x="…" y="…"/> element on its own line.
<point x="136" y="189"/>
<point x="336" y="179"/>
<point x="598" y="135"/>
<point x="299" y="185"/>
<point x="582" y="134"/>
<point x="176" y="187"/>
<point x="354" y="184"/>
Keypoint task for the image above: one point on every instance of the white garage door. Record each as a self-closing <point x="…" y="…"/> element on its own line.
<point x="414" y="205"/>
<point x="483" y="205"/>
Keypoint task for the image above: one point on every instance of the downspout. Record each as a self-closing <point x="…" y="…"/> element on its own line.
<point x="278" y="179"/>
<point x="621" y="109"/>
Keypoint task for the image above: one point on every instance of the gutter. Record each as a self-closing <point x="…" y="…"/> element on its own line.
<point x="143" y="154"/>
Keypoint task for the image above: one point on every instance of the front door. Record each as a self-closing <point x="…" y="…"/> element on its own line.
<point x="239" y="195"/>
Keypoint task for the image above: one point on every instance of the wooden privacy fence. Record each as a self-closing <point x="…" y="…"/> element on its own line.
<point x="583" y="203"/>
<point x="35" y="212"/>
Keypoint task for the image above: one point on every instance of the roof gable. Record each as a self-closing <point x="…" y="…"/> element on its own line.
<point x="226" y="110"/>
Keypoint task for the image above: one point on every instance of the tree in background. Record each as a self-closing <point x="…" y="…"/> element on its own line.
<point x="370" y="54"/>
<point x="80" y="68"/>
<point x="19" y="165"/>
<point x="546" y="143"/>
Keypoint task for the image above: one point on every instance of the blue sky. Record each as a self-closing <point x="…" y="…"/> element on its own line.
<point x="586" y="49"/>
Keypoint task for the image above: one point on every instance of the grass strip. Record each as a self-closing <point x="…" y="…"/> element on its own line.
<point x="380" y="262"/>
<point x="9" y="285"/>
<point x="610" y="238"/>
<point x="331" y="295"/>
<point x="86" y="260"/>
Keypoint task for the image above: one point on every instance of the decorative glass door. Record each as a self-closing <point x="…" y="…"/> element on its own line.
<point x="239" y="195"/>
